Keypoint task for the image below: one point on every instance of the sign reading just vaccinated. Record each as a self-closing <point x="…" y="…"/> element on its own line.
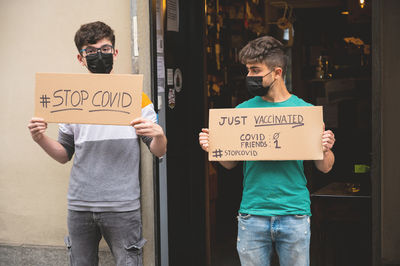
<point x="107" y="99"/>
<point x="250" y="134"/>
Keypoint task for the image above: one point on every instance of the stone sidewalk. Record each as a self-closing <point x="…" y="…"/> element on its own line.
<point x="42" y="256"/>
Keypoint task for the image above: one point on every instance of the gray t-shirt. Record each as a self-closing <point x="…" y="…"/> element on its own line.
<point x="105" y="173"/>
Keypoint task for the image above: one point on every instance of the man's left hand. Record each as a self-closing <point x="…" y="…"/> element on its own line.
<point x="145" y="127"/>
<point x="328" y="139"/>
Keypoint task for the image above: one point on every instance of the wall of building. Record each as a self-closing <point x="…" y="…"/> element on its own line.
<point x="142" y="65"/>
<point x="37" y="36"/>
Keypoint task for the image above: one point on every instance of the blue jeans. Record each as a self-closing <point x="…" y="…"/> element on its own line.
<point x="121" y="230"/>
<point x="256" y="235"/>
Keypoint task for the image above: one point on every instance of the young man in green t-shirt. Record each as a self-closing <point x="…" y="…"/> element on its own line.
<point x="275" y="205"/>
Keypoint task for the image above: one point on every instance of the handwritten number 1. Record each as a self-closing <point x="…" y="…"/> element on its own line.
<point x="276" y="144"/>
<point x="275" y="137"/>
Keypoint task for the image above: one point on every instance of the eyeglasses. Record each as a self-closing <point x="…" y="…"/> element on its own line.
<point x="105" y="49"/>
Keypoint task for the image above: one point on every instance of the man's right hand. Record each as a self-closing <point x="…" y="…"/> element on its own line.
<point x="37" y="127"/>
<point x="203" y="139"/>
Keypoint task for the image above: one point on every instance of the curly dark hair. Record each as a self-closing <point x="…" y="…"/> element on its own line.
<point x="93" y="32"/>
<point x="267" y="50"/>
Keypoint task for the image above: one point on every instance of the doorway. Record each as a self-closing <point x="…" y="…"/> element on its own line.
<point x="328" y="66"/>
<point x="329" y="45"/>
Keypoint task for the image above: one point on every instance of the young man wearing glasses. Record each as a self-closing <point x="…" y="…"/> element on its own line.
<point x="275" y="207"/>
<point x="104" y="191"/>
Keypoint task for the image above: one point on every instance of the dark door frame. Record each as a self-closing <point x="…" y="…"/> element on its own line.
<point x="185" y="217"/>
<point x="376" y="130"/>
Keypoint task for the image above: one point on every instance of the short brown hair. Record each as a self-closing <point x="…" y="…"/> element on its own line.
<point x="267" y="50"/>
<point x="93" y="32"/>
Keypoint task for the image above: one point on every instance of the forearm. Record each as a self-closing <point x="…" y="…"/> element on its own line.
<point x="326" y="164"/>
<point x="158" y="145"/>
<point x="228" y="164"/>
<point x="54" y="149"/>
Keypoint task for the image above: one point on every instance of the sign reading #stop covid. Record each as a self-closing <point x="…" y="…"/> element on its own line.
<point x="112" y="99"/>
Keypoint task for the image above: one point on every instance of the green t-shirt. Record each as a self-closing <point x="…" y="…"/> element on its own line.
<point x="272" y="188"/>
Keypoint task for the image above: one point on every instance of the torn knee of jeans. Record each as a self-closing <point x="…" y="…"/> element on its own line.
<point x="136" y="247"/>
<point x="67" y="242"/>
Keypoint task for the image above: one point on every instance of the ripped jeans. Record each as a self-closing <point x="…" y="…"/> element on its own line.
<point x="256" y="235"/>
<point x="121" y="230"/>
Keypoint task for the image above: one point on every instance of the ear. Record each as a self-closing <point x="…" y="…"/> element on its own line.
<point x="115" y="54"/>
<point x="278" y="72"/>
<point x="81" y="59"/>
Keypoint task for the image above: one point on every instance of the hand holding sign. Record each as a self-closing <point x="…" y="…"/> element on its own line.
<point x="145" y="127"/>
<point x="203" y="139"/>
<point x="328" y="139"/>
<point x="37" y="127"/>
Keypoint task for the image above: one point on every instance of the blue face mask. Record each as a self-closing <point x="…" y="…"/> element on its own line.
<point x="100" y="62"/>
<point x="255" y="85"/>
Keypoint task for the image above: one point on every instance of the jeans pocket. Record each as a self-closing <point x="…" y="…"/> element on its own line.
<point x="303" y="217"/>
<point x="243" y="216"/>
<point x="68" y="244"/>
<point x="134" y="253"/>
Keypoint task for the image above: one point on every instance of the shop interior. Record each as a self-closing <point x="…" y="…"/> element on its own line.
<point x="329" y="46"/>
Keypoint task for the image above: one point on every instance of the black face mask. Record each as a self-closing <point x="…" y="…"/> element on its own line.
<point x="255" y="85"/>
<point x="100" y="63"/>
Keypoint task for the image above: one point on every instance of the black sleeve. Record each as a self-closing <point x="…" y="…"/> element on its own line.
<point x="68" y="143"/>
<point x="146" y="140"/>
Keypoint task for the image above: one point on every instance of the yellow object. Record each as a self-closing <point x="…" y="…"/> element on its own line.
<point x="361" y="168"/>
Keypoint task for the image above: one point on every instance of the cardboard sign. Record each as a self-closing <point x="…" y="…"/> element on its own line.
<point x="88" y="98"/>
<point x="251" y="134"/>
